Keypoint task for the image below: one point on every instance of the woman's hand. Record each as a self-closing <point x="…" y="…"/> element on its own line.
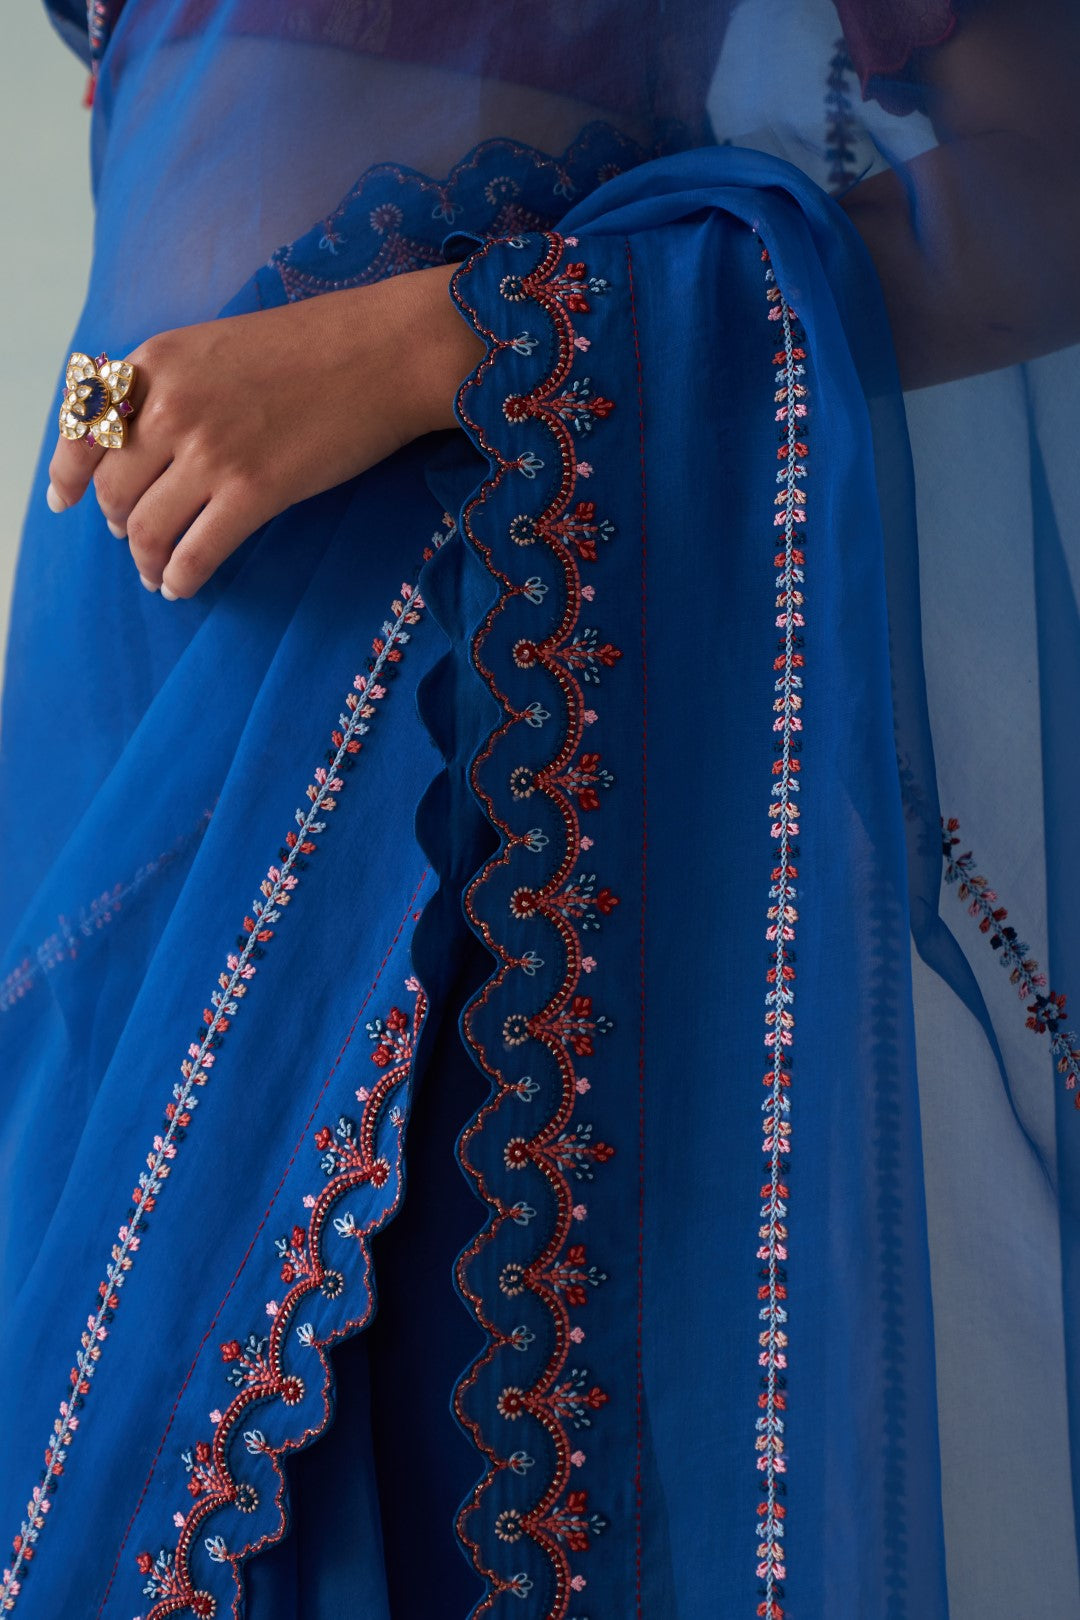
<point x="239" y="418"/>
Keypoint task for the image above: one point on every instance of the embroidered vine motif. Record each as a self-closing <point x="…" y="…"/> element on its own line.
<point x="840" y="126"/>
<point x="241" y="965"/>
<point x="64" y="944"/>
<point x="1046" y="1011"/>
<point x="791" y="410"/>
<point x="396" y="219"/>
<point x="264" y="1367"/>
<point x="394" y="253"/>
<point x="563" y="1397"/>
<point x="100" y="18"/>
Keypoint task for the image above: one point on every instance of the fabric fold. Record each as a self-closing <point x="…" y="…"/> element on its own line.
<point x="600" y="1288"/>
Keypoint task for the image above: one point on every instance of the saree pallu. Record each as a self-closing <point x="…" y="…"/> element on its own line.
<point x="502" y="906"/>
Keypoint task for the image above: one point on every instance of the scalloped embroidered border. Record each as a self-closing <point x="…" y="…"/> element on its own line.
<point x="408" y="213"/>
<point x="350" y="1158"/>
<point x="560" y="1522"/>
<point x="790" y="399"/>
<point x="275" y="893"/>
<point x="1046" y="1012"/>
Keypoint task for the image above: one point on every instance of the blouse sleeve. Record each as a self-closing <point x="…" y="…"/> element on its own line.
<point x="882" y="35"/>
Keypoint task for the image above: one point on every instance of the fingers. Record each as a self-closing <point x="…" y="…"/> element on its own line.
<point x="119" y="480"/>
<point x="124" y="477"/>
<point x="158" y="518"/>
<point x="73" y="465"/>
<point x="223" y="525"/>
<point x="185" y="488"/>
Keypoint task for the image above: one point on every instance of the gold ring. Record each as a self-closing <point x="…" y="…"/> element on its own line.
<point x="96" y="404"/>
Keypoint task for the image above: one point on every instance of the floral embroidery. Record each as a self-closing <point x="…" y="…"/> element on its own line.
<point x="64" y="944"/>
<point x="100" y="18"/>
<point x="266" y="1367"/>
<point x="1046" y="1011"/>
<point x="782" y="915"/>
<point x="396" y="219"/>
<point x="571" y="905"/>
<point x="241" y="965"/>
<point x="394" y="253"/>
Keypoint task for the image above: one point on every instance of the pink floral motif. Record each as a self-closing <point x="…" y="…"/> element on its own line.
<point x="259" y="1369"/>
<point x="562" y="1398"/>
<point x="1046" y="1011"/>
<point x="276" y="892"/>
<point x="782" y="919"/>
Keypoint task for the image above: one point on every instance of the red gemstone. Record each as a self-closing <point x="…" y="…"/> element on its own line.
<point x="102" y="360"/>
<point x="125" y="407"/>
<point x="90" y="439"/>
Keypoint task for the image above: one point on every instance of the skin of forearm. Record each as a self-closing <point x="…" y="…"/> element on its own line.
<point x="979" y="263"/>
<point x="434" y="348"/>
<point x="977" y="242"/>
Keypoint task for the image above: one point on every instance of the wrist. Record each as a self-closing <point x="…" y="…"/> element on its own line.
<point x="401" y="342"/>
<point x="439" y="351"/>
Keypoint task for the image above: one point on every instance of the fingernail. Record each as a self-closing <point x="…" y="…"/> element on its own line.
<point x="54" y="500"/>
<point x="148" y="583"/>
<point x="116" y="530"/>
<point x="170" y="596"/>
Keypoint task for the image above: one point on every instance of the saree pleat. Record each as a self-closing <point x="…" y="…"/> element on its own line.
<point x="586" y="563"/>
<point x="504" y="1115"/>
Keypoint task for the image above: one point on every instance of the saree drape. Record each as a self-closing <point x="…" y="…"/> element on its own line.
<point x="466" y="1087"/>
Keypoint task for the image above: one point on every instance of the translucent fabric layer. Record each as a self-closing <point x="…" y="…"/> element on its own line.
<point x="493" y="966"/>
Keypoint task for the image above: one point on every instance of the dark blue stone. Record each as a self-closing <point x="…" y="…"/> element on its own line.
<point x="96" y="401"/>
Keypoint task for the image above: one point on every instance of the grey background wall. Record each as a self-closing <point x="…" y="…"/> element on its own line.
<point x="45" y="225"/>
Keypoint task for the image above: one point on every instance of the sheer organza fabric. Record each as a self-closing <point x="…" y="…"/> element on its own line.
<point x="243" y="155"/>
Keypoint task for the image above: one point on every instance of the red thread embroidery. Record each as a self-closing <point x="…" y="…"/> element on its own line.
<point x="209" y="1333"/>
<point x="638" y="1368"/>
<point x="259" y="1367"/>
<point x="563" y="1397"/>
<point x="790" y="399"/>
<point x="275" y="894"/>
<point x="394" y="219"/>
<point x="1046" y="1011"/>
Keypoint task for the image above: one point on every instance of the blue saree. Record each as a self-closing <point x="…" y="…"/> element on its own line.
<point x="465" y="1146"/>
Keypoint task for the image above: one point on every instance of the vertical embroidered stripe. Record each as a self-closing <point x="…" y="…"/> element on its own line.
<point x="782" y="916"/>
<point x="274" y="895"/>
<point x="841" y="129"/>
<point x="1046" y="1012"/>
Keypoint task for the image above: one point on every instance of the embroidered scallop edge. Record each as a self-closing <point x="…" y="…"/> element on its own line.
<point x="350" y="1158"/>
<point x="275" y="893"/>
<point x="770" y="1444"/>
<point x="402" y="215"/>
<point x="1046" y="1012"/>
<point x="560" y="1522"/>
